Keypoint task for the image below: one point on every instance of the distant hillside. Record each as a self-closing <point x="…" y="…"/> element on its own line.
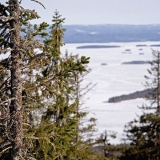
<point x="111" y="33"/>
<point x="136" y="62"/>
<point x="96" y="46"/>
<point x="137" y="94"/>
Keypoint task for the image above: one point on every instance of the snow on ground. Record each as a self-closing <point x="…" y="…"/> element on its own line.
<point x="114" y="79"/>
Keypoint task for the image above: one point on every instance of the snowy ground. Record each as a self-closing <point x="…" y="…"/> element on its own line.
<point x="114" y="79"/>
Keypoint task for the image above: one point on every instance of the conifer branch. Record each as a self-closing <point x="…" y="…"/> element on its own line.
<point x="30" y="11"/>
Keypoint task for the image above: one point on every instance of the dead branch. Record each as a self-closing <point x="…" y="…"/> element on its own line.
<point x="5" y="149"/>
<point x="5" y="50"/>
<point x="4" y="18"/>
<point x="7" y="100"/>
<point x="31" y="158"/>
<point x="39" y="3"/>
<point x="2" y="116"/>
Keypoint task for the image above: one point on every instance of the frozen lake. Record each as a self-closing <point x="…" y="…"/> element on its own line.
<point x="114" y="79"/>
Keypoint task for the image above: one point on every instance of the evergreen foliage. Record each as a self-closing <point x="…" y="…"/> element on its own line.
<point x="106" y="149"/>
<point x="40" y="91"/>
<point x="144" y="133"/>
<point x="61" y="117"/>
<point x="20" y="58"/>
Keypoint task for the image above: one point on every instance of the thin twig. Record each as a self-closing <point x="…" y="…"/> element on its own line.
<point x="7" y="101"/>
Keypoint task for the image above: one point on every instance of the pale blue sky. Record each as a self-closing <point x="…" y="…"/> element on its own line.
<point x="99" y="11"/>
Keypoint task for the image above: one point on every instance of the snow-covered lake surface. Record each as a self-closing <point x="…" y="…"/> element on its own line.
<point x="114" y="79"/>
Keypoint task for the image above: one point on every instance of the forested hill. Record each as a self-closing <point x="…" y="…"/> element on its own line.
<point x="111" y="33"/>
<point x="137" y="94"/>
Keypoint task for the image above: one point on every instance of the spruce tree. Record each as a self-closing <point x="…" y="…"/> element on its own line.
<point x="56" y="128"/>
<point x="39" y="114"/>
<point x="144" y="133"/>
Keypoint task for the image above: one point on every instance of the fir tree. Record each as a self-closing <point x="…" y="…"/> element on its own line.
<point x="144" y="133"/>
<point x="56" y="128"/>
<point x="40" y="117"/>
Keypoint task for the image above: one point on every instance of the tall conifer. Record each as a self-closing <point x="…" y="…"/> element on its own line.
<point x="56" y="128"/>
<point x="144" y="133"/>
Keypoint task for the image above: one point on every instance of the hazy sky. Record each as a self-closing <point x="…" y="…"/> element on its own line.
<point x="99" y="11"/>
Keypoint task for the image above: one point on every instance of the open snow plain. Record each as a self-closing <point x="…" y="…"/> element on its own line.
<point x="114" y="79"/>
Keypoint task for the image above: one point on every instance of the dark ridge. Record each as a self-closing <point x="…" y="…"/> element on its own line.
<point x="136" y="62"/>
<point x="96" y="46"/>
<point x="111" y="33"/>
<point x="127" y="50"/>
<point x="103" y="64"/>
<point x="155" y="45"/>
<point x="137" y="94"/>
<point x="141" y="45"/>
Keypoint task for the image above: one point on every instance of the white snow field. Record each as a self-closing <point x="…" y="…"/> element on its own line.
<point x="114" y="79"/>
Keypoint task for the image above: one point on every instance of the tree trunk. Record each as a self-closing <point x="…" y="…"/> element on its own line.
<point x="158" y="88"/>
<point x="16" y="111"/>
<point x="57" y="49"/>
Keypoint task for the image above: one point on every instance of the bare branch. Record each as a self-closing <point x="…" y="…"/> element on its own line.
<point x="5" y="149"/>
<point x="31" y="158"/>
<point x="5" y="50"/>
<point x="7" y="100"/>
<point x="39" y="3"/>
<point x="4" y="18"/>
